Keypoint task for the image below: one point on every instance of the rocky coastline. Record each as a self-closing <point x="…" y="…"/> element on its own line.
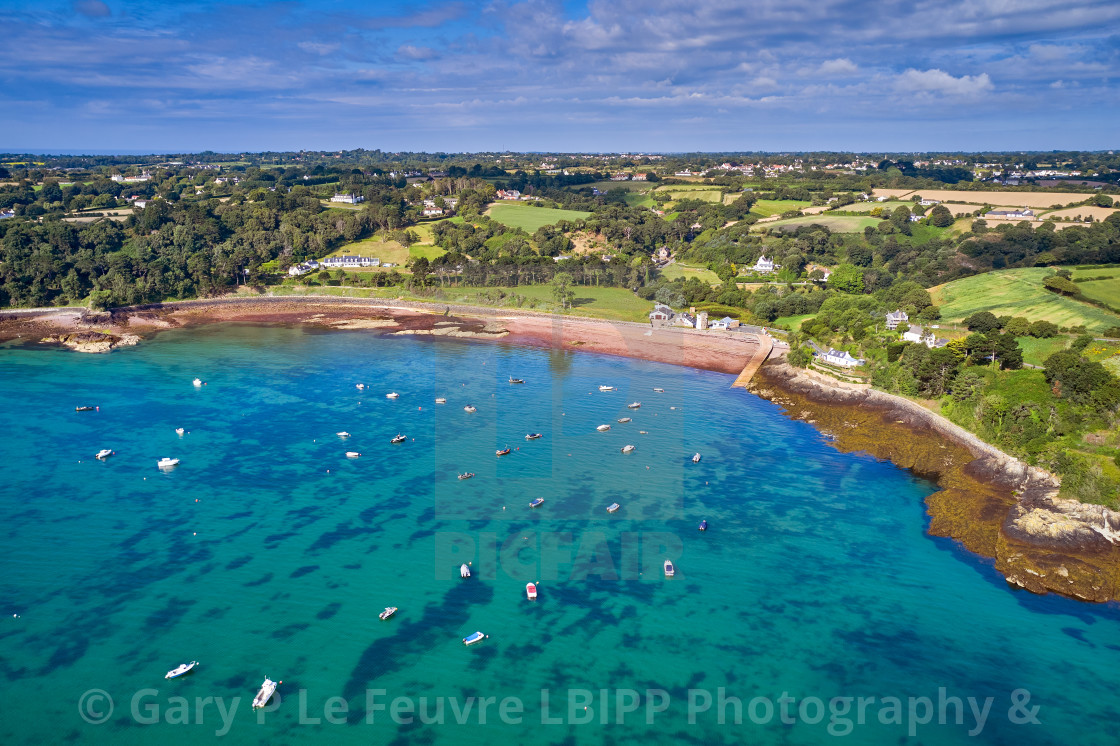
<point x="992" y="503"/>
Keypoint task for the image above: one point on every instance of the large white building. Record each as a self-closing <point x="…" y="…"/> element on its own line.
<point x="842" y="358"/>
<point x="350" y="199"/>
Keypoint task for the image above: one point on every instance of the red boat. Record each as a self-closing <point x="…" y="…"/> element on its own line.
<point x="531" y="591"/>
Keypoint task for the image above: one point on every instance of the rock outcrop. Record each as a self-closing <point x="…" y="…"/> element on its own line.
<point x="95" y="342"/>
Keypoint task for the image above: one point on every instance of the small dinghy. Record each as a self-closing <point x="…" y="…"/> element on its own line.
<point x="502" y="452"/>
<point x="469" y="408"/>
<point x="398" y="439"/>
<point x="167" y="463"/>
<point x="268" y="688"/>
<point x="440" y="400"/>
<point x="603" y="428"/>
<point x="83" y="409"/>
<point x="704" y="525"/>
<point x="625" y="419"/>
<point x="344" y="435"/>
<point x="181" y="670"/>
<point x="359" y="386"/>
<point x="660" y="391"/>
<point x="392" y="395"/>
<point x="531" y="591"/>
<point x="536" y="503"/>
<point x="613" y="508"/>
<point x="179" y="431"/>
<point x="197" y="382"/>
<point x="628" y="448"/>
<point x="353" y="454"/>
<point x="516" y="380"/>
<point x="696" y="458"/>
<point x="104" y="453"/>
<point x="533" y="436"/>
<point x="468" y="475"/>
<point x="634" y="405"/>
<point x="474" y="637"/>
<point x="389" y="611"/>
<point x="670" y="571"/>
<point x="606" y="388"/>
<point x="464" y="571"/>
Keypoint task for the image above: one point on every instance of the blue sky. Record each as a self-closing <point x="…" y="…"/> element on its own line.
<point x="597" y="75"/>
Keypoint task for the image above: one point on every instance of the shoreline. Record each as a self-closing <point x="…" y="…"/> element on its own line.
<point x="993" y="504"/>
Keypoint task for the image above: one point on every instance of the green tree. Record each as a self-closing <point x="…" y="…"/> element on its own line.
<point x="847" y="278"/>
<point x="982" y="321"/>
<point x="940" y="217"/>
<point x="1060" y="285"/>
<point x="562" y="289"/>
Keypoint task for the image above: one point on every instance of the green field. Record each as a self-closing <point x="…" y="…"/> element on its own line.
<point x="1103" y="291"/>
<point x="869" y="206"/>
<point x="793" y="323"/>
<point x="637" y="199"/>
<point x="704" y="195"/>
<point x="604" y="186"/>
<point x="1017" y="292"/>
<point x="617" y="304"/>
<point x="835" y="223"/>
<point x="676" y="269"/>
<point x="426" y="250"/>
<point x="1035" y="351"/>
<point x="386" y="251"/>
<point x="768" y="207"/>
<point x="531" y="218"/>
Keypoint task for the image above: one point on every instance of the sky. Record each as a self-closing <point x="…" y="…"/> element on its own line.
<point x="559" y="75"/>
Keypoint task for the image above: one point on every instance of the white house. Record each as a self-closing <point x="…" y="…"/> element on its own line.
<point x="919" y="336"/>
<point x="840" y="357"/>
<point x="725" y="323"/>
<point x="350" y="199"/>
<point x="702" y="320"/>
<point x="432" y="212"/>
<point x="508" y="194"/>
<point x="347" y="260"/>
<point x="765" y="266"/>
<point x="141" y="203"/>
<point x="303" y="268"/>
<point x="661" y="314"/>
<point x="894" y="318"/>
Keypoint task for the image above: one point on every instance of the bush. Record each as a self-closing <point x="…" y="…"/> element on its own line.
<point x="1043" y="329"/>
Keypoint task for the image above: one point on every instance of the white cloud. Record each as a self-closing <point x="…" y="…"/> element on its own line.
<point x="317" y="48"/>
<point x="838" y="68"/>
<point x="940" y="82"/>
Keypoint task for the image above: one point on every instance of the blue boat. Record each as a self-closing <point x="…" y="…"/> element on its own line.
<point x="472" y="638"/>
<point x="536" y="503"/>
<point x="703" y="525"/>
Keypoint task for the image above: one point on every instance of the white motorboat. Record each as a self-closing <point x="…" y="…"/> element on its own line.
<point x="104" y="453"/>
<point x="696" y="458"/>
<point x="625" y="419"/>
<point x="660" y="391"/>
<point x="474" y="637"/>
<point x="392" y="395"/>
<point x="359" y="386"/>
<point x="268" y="688"/>
<point x="469" y="408"/>
<point x="179" y="431"/>
<point x="537" y="503"/>
<point x="181" y="670"/>
<point x="613" y="507"/>
<point x="389" y="611"/>
<point x="344" y="435"/>
<point x="466" y="475"/>
<point x="628" y="448"/>
<point x="167" y="463"/>
<point x="464" y="571"/>
<point x="670" y="571"/>
<point x="399" y="439"/>
<point x="353" y="454"/>
<point x="197" y="382"/>
<point x="440" y="400"/>
<point x="533" y="436"/>
<point x="531" y="591"/>
<point x="606" y="388"/>
<point x="634" y="405"/>
<point x="603" y="428"/>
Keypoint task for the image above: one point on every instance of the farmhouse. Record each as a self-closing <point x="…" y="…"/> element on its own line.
<point x="508" y="194"/>
<point x="350" y="199"/>
<point x="840" y="357"/>
<point x="1023" y="214"/>
<point x="660" y="313"/>
<point x="918" y="335"/>
<point x="894" y="318"/>
<point x="350" y="261"/>
<point x="303" y="268"/>
<point x="765" y="266"/>
<point x="638" y="177"/>
<point x="725" y="323"/>
<point x="620" y="176"/>
<point x="431" y="212"/>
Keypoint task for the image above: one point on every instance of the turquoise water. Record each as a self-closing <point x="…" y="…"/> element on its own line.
<point x="268" y="552"/>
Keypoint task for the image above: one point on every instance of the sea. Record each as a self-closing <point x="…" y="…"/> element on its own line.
<point x="814" y="609"/>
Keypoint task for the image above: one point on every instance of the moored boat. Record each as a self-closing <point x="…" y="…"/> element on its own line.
<point x="268" y="688"/>
<point x="353" y="454"/>
<point x="467" y="475"/>
<point x="167" y="463"/>
<point x="536" y="503"/>
<point x="398" y="439"/>
<point x="696" y="458"/>
<point x="474" y="637"/>
<point x="83" y="409"/>
<point x="613" y="507"/>
<point x="179" y="431"/>
<point x="469" y="408"/>
<point x="502" y="452"/>
<point x="634" y="405"/>
<point x="704" y="525"/>
<point x="628" y="448"/>
<point x="606" y="388"/>
<point x="197" y="382"/>
<point x="180" y="670"/>
<point x="441" y="400"/>
<point x="531" y="591"/>
<point x="464" y="571"/>
<point x="603" y="428"/>
<point x="516" y="380"/>
<point x="533" y="436"/>
<point x="660" y="391"/>
<point x="389" y="611"/>
<point x="344" y="435"/>
<point x="625" y="419"/>
<point x="359" y="386"/>
<point x="392" y="395"/>
<point x="670" y="571"/>
<point x="104" y="453"/>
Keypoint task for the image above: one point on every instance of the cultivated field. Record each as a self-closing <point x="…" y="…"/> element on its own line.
<point x="676" y="269"/>
<point x="1033" y="200"/>
<point x="835" y="223"/>
<point x="1098" y="213"/>
<point x="531" y="218"/>
<point x="1106" y="290"/>
<point x="1017" y="292"/>
<point x="869" y="206"/>
<point x="768" y="207"/>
